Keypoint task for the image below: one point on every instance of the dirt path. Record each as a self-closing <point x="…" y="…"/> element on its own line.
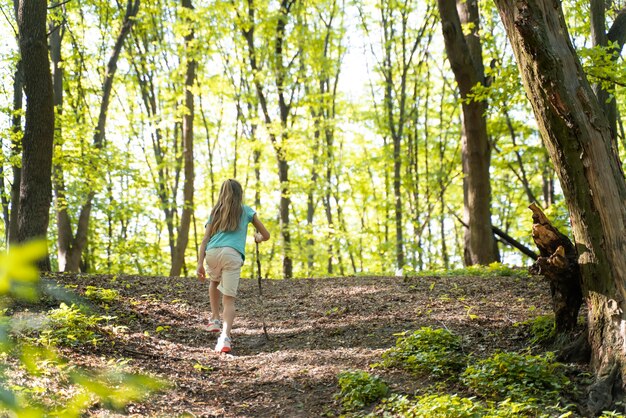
<point x="317" y="328"/>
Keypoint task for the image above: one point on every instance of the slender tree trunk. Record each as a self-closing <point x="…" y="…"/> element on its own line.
<point x="600" y="37"/>
<point x="284" y="113"/>
<point x="64" y="227"/>
<point x="37" y="143"/>
<point x="16" y="141"/>
<point x="548" y="183"/>
<point x="185" y="218"/>
<point x="465" y="56"/>
<point x="578" y="138"/>
<point x="71" y="247"/>
<point x="310" y="211"/>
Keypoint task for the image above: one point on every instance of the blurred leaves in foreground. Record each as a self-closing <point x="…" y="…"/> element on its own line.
<point x="48" y="385"/>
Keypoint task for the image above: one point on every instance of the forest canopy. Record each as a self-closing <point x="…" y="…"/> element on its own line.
<point x="342" y="120"/>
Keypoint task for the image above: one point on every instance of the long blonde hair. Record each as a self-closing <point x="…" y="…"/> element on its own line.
<point x="226" y="214"/>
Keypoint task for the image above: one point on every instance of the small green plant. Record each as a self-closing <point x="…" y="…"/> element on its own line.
<point x="612" y="414"/>
<point x="69" y="325"/>
<point x="428" y="406"/>
<point x="358" y="389"/>
<point x="454" y="406"/>
<point x="542" y="329"/>
<point x="99" y="294"/>
<point x="427" y="350"/>
<point x="492" y="270"/>
<point x="516" y="376"/>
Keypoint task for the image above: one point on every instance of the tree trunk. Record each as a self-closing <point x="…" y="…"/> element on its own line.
<point x="283" y="107"/>
<point x="548" y="183"/>
<point x="285" y="203"/>
<point x="71" y="247"/>
<point x="16" y="131"/>
<point x="64" y="227"/>
<point x="600" y="38"/>
<point x="578" y="138"/>
<point x="465" y="56"/>
<point x="185" y="218"/>
<point x="36" y="183"/>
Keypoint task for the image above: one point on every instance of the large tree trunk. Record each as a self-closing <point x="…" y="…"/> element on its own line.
<point x="36" y="183"/>
<point x="185" y="218"/>
<point x="578" y="138"/>
<point x="465" y="56"/>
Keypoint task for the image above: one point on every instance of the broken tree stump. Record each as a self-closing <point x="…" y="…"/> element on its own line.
<point x="558" y="263"/>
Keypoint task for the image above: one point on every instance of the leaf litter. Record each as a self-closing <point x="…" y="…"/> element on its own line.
<point x="317" y="328"/>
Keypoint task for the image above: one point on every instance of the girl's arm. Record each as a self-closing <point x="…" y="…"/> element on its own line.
<point x="262" y="233"/>
<point x="202" y="251"/>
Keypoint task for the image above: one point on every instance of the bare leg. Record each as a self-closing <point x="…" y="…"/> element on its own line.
<point x="229" y="314"/>
<point x="214" y="297"/>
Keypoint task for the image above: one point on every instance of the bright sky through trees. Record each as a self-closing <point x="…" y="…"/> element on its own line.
<point x="340" y="165"/>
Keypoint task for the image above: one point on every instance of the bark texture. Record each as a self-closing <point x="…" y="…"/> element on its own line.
<point x="465" y="55"/>
<point x="36" y="184"/>
<point x="578" y="138"/>
<point x="558" y="263"/>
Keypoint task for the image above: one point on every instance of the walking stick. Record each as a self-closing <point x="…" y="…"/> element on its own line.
<point x="258" y="266"/>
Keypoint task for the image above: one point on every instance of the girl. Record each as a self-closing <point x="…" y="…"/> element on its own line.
<point x="223" y="247"/>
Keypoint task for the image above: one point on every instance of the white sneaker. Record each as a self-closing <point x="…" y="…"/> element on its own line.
<point x="215" y="325"/>
<point x="223" y="344"/>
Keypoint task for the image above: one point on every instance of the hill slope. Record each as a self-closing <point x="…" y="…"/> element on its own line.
<point x="317" y="328"/>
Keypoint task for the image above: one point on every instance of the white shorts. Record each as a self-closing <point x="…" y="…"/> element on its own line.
<point x="224" y="266"/>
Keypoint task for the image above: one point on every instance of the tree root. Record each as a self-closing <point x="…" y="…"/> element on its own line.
<point x="577" y="351"/>
<point x="607" y="392"/>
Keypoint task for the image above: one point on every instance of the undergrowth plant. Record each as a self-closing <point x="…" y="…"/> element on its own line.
<point x="428" y="406"/>
<point x="434" y="351"/>
<point x="492" y="270"/>
<point x="70" y="326"/>
<point x="542" y="329"/>
<point x="101" y="295"/>
<point x="68" y="391"/>
<point x="358" y="389"/>
<point x="516" y="376"/>
<point x="455" y="406"/>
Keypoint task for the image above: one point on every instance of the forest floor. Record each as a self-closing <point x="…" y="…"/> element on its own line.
<point x="317" y="328"/>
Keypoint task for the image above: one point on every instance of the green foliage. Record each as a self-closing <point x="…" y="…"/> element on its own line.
<point x="137" y="175"/>
<point x="455" y="406"/>
<point x="516" y="376"/>
<point x="435" y="406"/>
<point x="427" y="350"/>
<point x="492" y="270"/>
<point x="358" y="389"/>
<point x="69" y="325"/>
<point x="542" y="329"/>
<point x="559" y="217"/>
<point x="74" y="391"/>
<point x="101" y="295"/>
<point x="18" y="274"/>
<point x="601" y="66"/>
<point x="612" y="414"/>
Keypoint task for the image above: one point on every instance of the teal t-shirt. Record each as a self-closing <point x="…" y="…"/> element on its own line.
<point x="234" y="239"/>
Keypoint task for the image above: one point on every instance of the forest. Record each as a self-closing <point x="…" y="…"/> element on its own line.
<point x="424" y="143"/>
